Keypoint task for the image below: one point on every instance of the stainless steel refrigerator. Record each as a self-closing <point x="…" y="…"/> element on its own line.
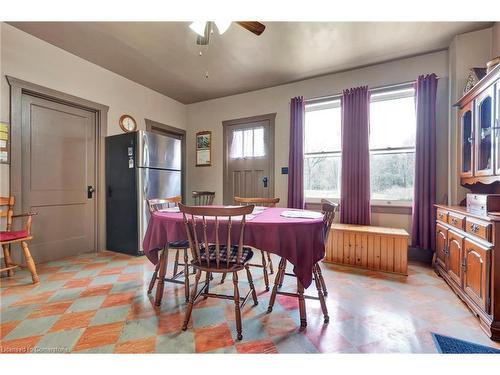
<point x="139" y="166"/>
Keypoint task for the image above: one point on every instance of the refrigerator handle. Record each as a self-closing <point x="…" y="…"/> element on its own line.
<point x="110" y="192"/>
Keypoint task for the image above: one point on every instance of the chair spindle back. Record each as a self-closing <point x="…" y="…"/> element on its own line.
<point x="265" y="202"/>
<point x="9" y="212"/>
<point x="328" y="209"/>
<point x="214" y="220"/>
<point x="203" y="198"/>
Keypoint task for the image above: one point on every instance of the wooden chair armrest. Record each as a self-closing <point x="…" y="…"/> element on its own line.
<point x="29" y="215"/>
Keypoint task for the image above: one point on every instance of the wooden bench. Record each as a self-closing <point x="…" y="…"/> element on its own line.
<point x="375" y="248"/>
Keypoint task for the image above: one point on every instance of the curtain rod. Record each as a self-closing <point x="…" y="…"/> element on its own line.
<point x="374" y="89"/>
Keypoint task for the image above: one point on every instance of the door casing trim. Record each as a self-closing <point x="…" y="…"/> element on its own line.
<point x="271" y="117"/>
<point x="19" y="87"/>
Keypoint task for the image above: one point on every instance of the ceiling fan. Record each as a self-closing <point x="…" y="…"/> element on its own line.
<point x="205" y="28"/>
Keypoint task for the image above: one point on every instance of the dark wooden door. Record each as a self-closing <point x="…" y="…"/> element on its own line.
<point x="455" y="253"/>
<point x="476" y="273"/>
<point x="441" y="245"/>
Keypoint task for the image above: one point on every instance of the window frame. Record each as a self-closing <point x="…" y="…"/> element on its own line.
<point x="398" y="91"/>
<point x="383" y="94"/>
<point x="333" y="102"/>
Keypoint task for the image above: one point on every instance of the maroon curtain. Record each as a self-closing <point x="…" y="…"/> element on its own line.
<point x="424" y="195"/>
<point x="296" y="154"/>
<point x="355" y="173"/>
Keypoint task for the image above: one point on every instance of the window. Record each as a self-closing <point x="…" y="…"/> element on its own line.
<point x="247" y="143"/>
<point x="392" y="145"/>
<point x="322" y="140"/>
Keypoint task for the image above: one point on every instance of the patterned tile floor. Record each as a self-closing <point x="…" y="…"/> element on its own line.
<point x="97" y="303"/>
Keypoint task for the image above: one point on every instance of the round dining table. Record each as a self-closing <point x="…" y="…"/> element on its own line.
<point x="299" y="240"/>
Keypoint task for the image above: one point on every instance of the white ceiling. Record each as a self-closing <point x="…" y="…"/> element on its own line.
<point x="164" y="56"/>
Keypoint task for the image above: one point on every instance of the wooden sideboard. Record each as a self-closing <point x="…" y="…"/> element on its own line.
<point x="467" y="258"/>
<point x="468" y="245"/>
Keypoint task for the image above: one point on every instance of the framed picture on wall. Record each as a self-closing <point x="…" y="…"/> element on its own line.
<point x="203" y="149"/>
<point x="4" y="143"/>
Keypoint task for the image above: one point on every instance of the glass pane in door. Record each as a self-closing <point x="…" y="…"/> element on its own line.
<point x="485" y="135"/>
<point x="467" y="142"/>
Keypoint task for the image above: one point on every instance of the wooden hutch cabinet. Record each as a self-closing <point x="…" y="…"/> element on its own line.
<point x="467" y="253"/>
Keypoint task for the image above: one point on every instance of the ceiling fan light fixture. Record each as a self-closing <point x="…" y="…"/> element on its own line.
<point x="222" y="26"/>
<point x="198" y="27"/>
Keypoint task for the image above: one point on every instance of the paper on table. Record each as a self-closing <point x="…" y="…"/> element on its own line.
<point x="233" y="218"/>
<point x="170" y="209"/>
<point x="303" y="214"/>
<point x="258" y="210"/>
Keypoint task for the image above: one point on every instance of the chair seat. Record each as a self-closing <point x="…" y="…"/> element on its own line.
<point x="182" y="244"/>
<point x="246" y="254"/>
<point x="13" y="235"/>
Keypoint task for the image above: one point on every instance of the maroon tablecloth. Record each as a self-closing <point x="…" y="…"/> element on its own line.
<point x="300" y="241"/>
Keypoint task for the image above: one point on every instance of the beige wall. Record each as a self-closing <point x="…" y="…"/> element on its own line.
<point x="28" y="58"/>
<point x="209" y="115"/>
<point x="466" y="51"/>
<point x="495" y="45"/>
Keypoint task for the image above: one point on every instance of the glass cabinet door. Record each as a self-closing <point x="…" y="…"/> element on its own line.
<point x="497" y="129"/>
<point x="467" y="140"/>
<point x="484" y="111"/>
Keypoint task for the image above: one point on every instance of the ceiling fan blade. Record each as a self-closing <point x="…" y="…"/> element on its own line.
<point x="253" y="26"/>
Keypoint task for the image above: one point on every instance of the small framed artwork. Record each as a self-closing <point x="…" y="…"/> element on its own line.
<point x="203" y="149"/>
<point x="4" y="143"/>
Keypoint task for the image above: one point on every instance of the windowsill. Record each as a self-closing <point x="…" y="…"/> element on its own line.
<point x="374" y="203"/>
<point x="377" y="206"/>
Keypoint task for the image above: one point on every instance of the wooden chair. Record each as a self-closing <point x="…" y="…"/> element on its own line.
<point x="203" y="198"/>
<point x="265" y="202"/>
<point x="230" y="256"/>
<point x="161" y="266"/>
<point x="328" y="209"/>
<point x="10" y="236"/>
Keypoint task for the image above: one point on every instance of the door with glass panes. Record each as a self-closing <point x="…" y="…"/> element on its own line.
<point x="484" y="112"/>
<point x="467" y="143"/>
<point x="249" y="158"/>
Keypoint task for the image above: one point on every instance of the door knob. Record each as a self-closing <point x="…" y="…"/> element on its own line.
<point x="264" y="180"/>
<point x="90" y="192"/>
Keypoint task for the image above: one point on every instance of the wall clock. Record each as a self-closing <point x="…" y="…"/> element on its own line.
<point x="127" y="123"/>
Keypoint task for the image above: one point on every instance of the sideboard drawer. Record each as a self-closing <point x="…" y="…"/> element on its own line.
<point x="442" y="215"/>
<point x="478" y="228"/>
<point x="458" y="221"/>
